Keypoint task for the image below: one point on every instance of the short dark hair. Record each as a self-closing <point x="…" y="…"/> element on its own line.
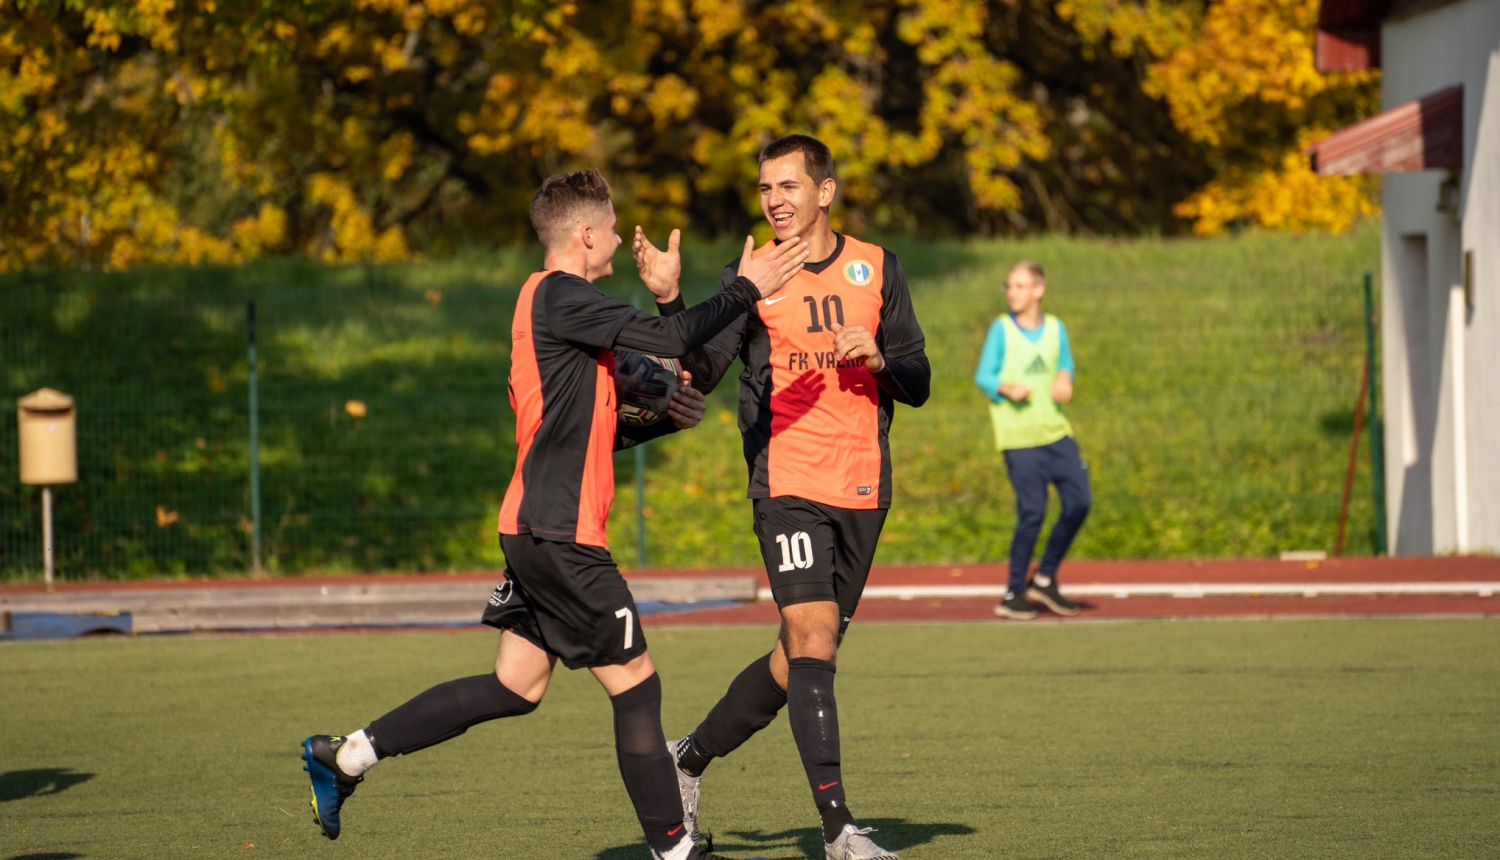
<point x="817" y="158"/>
<point x="564" y="200"/>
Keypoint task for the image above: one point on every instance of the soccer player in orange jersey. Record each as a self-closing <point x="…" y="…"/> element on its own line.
<point x="825" y="361"/>
<point x="563" y="598"/>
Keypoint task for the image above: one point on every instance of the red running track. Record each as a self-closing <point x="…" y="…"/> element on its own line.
<point x="1118" y="609"/>
<point x="1375" y="572"/>
<point x="1348" y="570"/>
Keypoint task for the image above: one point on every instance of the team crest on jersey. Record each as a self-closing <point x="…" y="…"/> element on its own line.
<point x="858" y="272"/>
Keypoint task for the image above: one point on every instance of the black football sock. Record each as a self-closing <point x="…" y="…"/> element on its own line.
<point x="815" y="728"/>
<point x="750" y="704"/>
<point x="645" y="764"/>
<point x="444" y="712"/>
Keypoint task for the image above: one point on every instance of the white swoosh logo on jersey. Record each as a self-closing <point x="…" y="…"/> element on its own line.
<point x="775" y="300"/>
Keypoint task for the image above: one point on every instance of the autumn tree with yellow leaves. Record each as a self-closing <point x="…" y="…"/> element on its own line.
<point x="163" y="131"/>
<point x="1239" y="80"/>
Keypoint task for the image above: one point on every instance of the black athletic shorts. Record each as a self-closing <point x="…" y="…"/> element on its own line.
<point x="816" y="552"/>
<point x="567" y="599"/>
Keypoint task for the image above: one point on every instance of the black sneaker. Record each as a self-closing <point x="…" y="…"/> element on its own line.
<point x="330" y="785"/>
<point x="1051" y="597"/>
<point x="1015" y="606"/>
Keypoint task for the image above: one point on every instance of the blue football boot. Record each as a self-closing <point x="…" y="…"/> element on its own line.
<point x="330" y="786"/>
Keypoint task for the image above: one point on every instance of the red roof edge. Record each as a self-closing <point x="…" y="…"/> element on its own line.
<point x="1423" y="134"/>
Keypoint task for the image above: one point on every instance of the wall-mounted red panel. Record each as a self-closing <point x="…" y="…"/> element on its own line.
<point x="1347" y="50"/>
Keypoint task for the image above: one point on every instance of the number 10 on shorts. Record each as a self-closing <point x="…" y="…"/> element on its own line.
<point x="796" y="552"/>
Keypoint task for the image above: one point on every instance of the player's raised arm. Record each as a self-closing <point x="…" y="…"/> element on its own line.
<point x="713" y="359"/>
<point x="679" y="334"/>
<point x="709" y="360"/>
<point x="579" y="313"/>
<point x="661" y="271"/>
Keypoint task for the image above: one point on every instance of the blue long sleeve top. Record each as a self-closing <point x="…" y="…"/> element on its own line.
<point x="987" y="377"/>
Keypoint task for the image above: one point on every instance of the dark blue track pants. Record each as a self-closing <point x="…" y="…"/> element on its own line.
<point x="1031" y="470"/>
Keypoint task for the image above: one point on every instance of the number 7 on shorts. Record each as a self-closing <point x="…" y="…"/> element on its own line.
<point x="629" y="617"/>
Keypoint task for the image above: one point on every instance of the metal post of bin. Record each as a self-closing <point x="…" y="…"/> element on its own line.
<point x="47" y="552"/>
<point x="47" y="425"/>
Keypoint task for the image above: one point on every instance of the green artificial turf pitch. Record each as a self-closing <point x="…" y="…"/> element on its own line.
<point x="1286" y="739"/>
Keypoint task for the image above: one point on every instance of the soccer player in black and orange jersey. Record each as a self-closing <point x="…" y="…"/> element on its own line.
<point x="825" y="361"/>
<point x="563" y="598"/>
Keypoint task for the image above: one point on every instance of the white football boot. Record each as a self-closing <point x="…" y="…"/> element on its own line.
<point x="689" y="850"/>
<point x="688" y="786"/>
<point x="853" y="844"/>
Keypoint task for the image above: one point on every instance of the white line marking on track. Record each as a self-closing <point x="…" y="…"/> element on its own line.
<point x="1187" y="590"/>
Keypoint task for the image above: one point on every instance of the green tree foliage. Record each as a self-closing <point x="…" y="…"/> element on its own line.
<point x="139" y="131"/>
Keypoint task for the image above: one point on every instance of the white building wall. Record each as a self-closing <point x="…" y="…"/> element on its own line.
<point x="1430" y="336"/>
<point x="1481" y="218"/>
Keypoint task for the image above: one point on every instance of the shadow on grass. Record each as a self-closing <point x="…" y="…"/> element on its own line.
<point x="893" y="834"/>
<point x="1337" y="422"/>
<point x="19" y="784"/>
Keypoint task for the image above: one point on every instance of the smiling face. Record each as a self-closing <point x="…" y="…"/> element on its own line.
<point x="792" y="202"/>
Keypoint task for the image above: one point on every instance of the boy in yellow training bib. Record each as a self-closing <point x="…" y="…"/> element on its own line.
<point x="1026" y="370"/>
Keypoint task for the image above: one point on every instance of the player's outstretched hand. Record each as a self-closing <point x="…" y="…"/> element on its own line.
<point x="771" y="270"/>
<point x="1062" y="388"/>
<point x="660" y="270"/>
<point x="855" y="343"/>
<point x="688" y="405"/>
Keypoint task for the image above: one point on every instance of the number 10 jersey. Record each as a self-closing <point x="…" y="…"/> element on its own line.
<point x="815" y="427"/>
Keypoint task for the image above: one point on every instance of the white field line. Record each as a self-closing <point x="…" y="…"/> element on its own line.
<point x="1187" y="589"/>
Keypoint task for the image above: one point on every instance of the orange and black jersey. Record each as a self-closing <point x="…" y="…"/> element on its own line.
<point x="814" y="427"/>
<point x="562" y="391"/>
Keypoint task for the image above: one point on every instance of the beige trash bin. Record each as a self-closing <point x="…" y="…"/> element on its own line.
<point x="48" y="438"/>
<point x="49" y="453"/>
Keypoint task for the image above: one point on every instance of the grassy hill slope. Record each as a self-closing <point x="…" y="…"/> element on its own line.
<point x="1215" y="396"/>
<point x="1214" y="401"/>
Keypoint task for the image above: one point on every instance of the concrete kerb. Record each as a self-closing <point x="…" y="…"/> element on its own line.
<point x="430" y="602"/>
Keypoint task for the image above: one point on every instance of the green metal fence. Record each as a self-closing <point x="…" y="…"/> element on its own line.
<point x="1217" y="399"/>
<point x="385" y="435"/>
